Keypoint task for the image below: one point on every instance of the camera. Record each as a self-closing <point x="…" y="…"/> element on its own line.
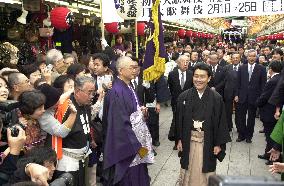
<point x="9" y="117"/>
<point x="65" y="179"/>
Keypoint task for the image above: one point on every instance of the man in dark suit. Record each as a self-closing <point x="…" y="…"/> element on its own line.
<point x="221" y="52"/>
<point x="267" y="110"/>
<point x="193" y="59"/>
<point x="218" y="78"/>
<point x="179" y="80"/>
<point x="243" y="57"/>
<point x="231" y="76"/>
<point x="251" y="81"/>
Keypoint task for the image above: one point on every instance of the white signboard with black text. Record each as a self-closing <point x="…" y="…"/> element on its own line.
<point x="185" y="9"/>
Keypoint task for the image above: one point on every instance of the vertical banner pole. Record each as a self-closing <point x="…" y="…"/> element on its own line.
<point x="136" y="38"/>
<point x="102" y="21"/>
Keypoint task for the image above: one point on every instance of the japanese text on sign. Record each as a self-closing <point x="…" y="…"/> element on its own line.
<point x="184" y="9"/>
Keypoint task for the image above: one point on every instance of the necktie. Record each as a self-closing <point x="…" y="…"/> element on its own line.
<point x="135" y="85"/>
<point x="235" y="68"/>
<point x="213" y="70"/>
<point x="182" y="80"/>
<point x="250" y="72"/>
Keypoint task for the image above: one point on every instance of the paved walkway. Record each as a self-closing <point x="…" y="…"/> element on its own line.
<point x="241" y="158"/>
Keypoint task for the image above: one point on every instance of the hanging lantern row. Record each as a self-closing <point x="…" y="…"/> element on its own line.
<point x="189" y="33"/>
<point x="276" y="36"/>
<point x="113" y="28"/>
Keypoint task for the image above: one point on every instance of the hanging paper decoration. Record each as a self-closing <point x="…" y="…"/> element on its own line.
<point x="141" y="28"/>
<point x="128" y="10"/>
<point x="112" y="27"/>
<point x="181" y="33"/>
<point x="61" y="18"/>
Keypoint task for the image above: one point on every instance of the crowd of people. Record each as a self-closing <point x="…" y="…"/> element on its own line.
<point x="93" y="116"/>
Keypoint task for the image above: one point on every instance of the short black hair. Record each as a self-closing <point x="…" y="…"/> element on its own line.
<point x="75" y="69"/>
<point x="276" y="66"/>
<point x="27" y="70"/>
<point x="31" y="100"/>
<point x="61" y="80"/>
<point x="203" y="66"/>
<point x="267" y="46"/>
<point x="277" y="51"/>
<point x="103" y="57"/>
<point x="221" y="48"/>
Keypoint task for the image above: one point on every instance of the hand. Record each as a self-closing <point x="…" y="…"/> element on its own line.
<point x="158" y="108"/>
<point x="236" y="99"/>
<point x="46" y="73"/>
<point x="16" y="143"/>
<point x="217" y="150"/>
<point x="7" y="69"/>
<point x="179" y="146"/>
<point x="277" y="114"/>
<point x="23" y="121"/>
<point x="276" y="167"/>
<point x="109" y="85"/>
<point x="65" y="96"/>
<point x="101" y="93"/>
<point x="274" y="154"/>
<point x="144" y="111"/>
<point x="39" y="174"/>
<point x="72" y="107"/>
<point x="93" y="144"/>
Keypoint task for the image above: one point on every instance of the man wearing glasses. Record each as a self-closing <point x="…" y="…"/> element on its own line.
<point x="75" y="146"/>
<point x="128" y="143"/>
<point x="19" y="83"/>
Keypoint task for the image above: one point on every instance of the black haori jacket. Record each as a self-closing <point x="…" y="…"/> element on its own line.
<point x="215" y="128"/>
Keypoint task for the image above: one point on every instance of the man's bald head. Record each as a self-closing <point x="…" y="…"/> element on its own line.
<point x="126" y="68"/>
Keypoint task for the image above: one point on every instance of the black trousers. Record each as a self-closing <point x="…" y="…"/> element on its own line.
<point x="153" y="123"/>
<point x="229" y="113"/>
<point x="78" y="176"/>
<point x="245" y="128"/>
<point x="268" y="128"/>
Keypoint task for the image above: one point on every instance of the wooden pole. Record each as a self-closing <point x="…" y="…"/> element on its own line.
<point x="136" y="39"/>
<point x="102" y="21"/>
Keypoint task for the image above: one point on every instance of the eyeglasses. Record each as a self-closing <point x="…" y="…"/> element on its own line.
<point x="27" y="81"/>
<point x="89" y="93"/>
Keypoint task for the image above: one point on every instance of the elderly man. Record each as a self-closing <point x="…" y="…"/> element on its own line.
<point x="205" y="55"/>
<point x="55" y="62"/>
<point x="75" y="145"/>
<point x="180" y="79"/>
<point x="128" y="143"/>
<point x="19" y="83"/>
<point x="250" y="83"/>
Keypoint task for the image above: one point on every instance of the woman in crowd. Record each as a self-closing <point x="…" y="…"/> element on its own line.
<point x="64" y="83"/>
<point x="4" y="91"/>
<point x="76" y="70"/>
<point x="32" y="108"/>
<point x="47" y="121"/>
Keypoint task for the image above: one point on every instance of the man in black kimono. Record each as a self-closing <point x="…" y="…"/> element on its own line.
<point x="202" y="129"/>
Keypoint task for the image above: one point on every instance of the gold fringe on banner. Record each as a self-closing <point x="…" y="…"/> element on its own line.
<point x="157" y="70"/>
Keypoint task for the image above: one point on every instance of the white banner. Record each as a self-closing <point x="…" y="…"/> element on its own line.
<point x="185" y="9"/>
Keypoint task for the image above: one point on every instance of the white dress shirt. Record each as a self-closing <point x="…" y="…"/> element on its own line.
<point x="249" y="65"/>
<point x="180" y="75"/>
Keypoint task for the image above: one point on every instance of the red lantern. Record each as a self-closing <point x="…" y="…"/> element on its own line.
<point x="188" y="33"/>
<point x="112" y="27"/>
<point x="141" y="28"/>
<point x="181" y="33"/>
<point x="281" y="36"/>
<point x="203" y="35"/>
<point x="194" y="34"/>
<point x="61" y="18"/>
